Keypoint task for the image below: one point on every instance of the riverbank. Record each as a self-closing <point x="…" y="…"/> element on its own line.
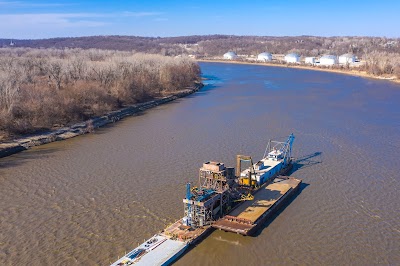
<point x="352" y="72"/>
<point x="26" y="142"/>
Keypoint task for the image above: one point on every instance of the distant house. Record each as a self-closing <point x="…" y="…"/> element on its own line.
<point x="328" y="60"/>
<point x="264" y="57"/>
<point x="347" y="59"/>
<point x="230" y="56"/>
<point x="292" y="58"/>
<point x="310" y="60"/>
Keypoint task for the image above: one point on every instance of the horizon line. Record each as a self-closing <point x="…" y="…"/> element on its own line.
<point x="201" y="35"/>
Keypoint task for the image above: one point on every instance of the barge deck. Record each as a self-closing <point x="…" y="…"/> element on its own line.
<point x="251" y="214"/>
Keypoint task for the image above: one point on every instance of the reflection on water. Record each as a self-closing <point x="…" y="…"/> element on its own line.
<point x="92" y="198"/>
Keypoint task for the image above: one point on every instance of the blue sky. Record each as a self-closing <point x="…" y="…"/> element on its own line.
<point x="45" y="19"/>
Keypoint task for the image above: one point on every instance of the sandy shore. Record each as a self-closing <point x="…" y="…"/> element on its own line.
<point x="352" y="72"/>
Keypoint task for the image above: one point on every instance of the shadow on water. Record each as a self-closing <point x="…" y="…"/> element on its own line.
<point x="192" y="246"/>
<point x="305" y="161"/>
<point x="105" y="129"/>
<point x="280" y="209"/>
<point x="203" y="91"/>
<point x="301" y="162"/>
<point x="25" y="156"/>
<point x="210" y="83"/>
<point x="265" y="224"/>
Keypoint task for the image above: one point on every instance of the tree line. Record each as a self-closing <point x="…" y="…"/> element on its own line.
<point x="214" y="45"/>
<point x="43" y="88"/>
<point x="381" y="54"/>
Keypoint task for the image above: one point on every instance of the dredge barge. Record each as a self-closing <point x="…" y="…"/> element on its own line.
<point x="236" y="201"/>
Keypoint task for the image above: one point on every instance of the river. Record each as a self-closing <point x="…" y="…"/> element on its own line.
<point x="90" y="199"/>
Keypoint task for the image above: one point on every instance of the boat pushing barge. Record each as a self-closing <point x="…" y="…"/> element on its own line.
<point x="236" y="201"/>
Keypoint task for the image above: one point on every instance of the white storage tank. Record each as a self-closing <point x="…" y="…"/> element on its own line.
<point x="328" y="60"/>
<point x="230" y="55"/>
<point x="292" y="58"/>
<point x="347" y="59"/>
<point x="310" y="60"/>
<point x="264" y="57"/>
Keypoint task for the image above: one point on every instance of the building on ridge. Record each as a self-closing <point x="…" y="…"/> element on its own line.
<point x="310" y="60"/>
<point x="292" y="58"/>
<point x="328" y="60"/>
<point x="264" y="57"/>
<point x="230" y="55"/>
<point x="347" y="59"/>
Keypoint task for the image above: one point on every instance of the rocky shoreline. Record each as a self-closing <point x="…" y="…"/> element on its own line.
<point x="25" y="143"/>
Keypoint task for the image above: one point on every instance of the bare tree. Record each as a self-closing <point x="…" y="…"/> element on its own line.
<point x="36" y="92"/>
<point x="77" y="68"/>
<point x="9" y="89"/>
<point x="56" y="72"/>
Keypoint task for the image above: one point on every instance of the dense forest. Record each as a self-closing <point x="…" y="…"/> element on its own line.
<point x="43" y="88"/>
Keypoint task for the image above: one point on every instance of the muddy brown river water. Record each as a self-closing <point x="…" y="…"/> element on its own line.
<point x="88" y="200"/>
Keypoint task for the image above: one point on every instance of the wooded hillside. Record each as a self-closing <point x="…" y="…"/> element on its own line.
<point x="212" y="45"/>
